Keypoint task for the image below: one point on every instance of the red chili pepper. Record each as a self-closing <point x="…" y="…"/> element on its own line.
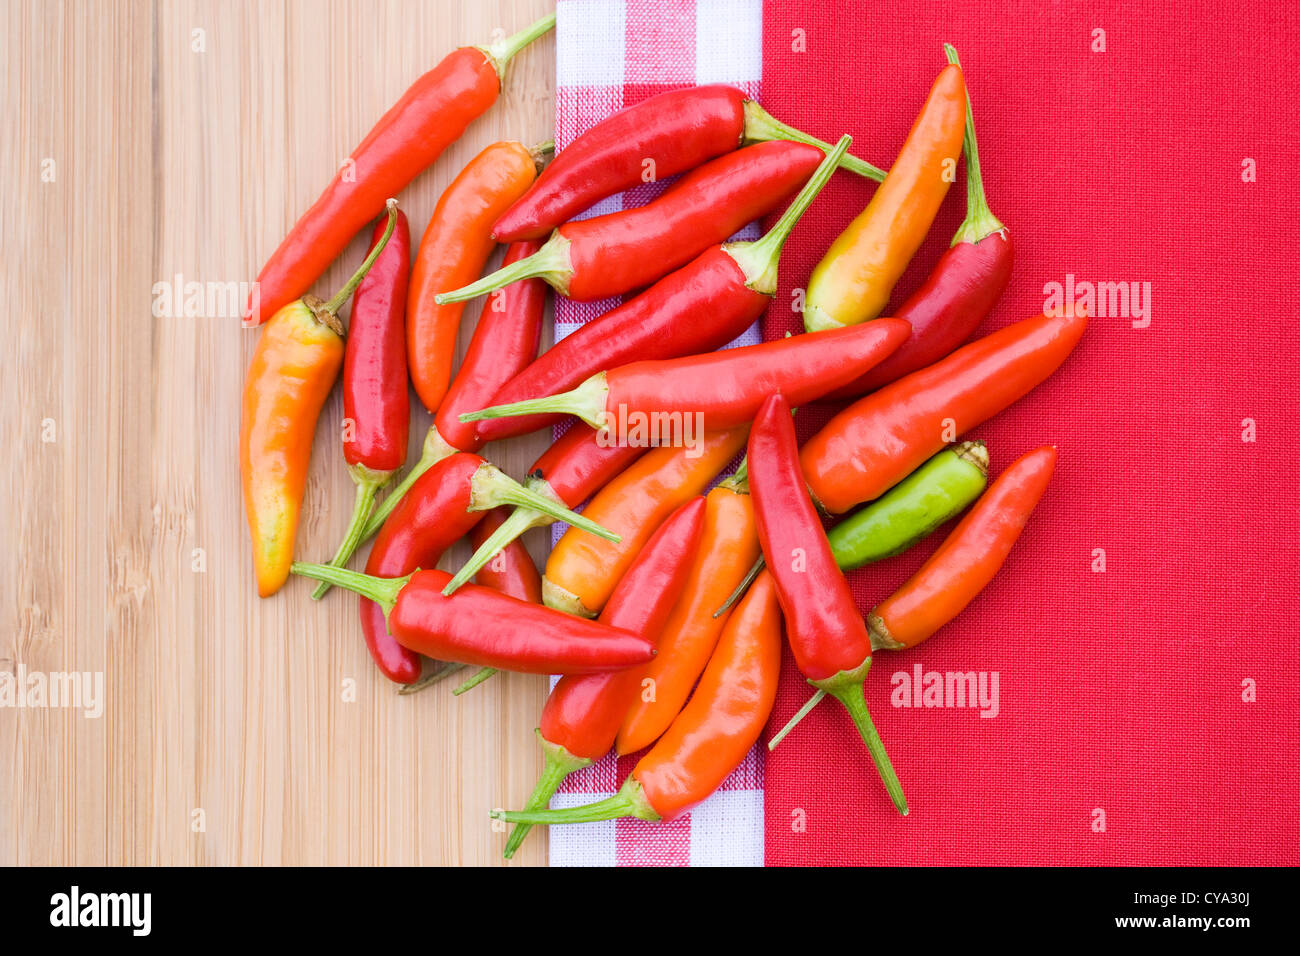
<point x="443" y="505"/>
<point x="712" y="734"/>
<point x="878" y="441"/>
<point x="658" y="137"/>
<point x="504" y="343"/>
<point x="582" y="715"/>
<point x="480" y="626"/>
<point x="621" y="251"/>
<point x="725" y="387"/>
<point x="961" y="290"/>
<point x="430" y="116"/>
<point x="570" y="471"/>
<point x="827" y="634"/>
<point x="967" y="560"/>
<point x="698" y="308"/>
<point x="512" y="570"/>
<point x="376" y="409"/>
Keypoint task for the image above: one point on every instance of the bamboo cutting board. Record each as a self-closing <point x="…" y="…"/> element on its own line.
<point x="183" y="138"/>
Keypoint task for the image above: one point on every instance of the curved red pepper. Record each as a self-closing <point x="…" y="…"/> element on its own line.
<point x="504" y="343"/>
<point x="676" y="131"/>
<point x="430" y="116"/>
<point x="630" y="249"/>
<point x="582" y="714"/>
<point x="829" y="639"/>
<point x="478" y="625"/>
<point x="726" y="387"/>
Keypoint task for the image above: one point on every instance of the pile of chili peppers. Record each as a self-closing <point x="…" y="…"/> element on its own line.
<point x="664" y="604"/>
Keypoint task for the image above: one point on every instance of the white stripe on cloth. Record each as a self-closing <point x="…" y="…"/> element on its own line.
<point x="599" y="43"/>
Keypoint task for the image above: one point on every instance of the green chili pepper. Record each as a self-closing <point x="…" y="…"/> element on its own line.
<point x="902" y="516"/>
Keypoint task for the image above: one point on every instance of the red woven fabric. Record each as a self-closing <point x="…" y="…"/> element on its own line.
<point x="1121" y="692"/>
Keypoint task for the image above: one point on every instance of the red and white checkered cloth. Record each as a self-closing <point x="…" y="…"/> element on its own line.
<point x="612" y="54"/>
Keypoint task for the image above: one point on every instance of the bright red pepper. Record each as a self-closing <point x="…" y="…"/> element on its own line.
<point x="699" y="308"/>
<point x="376" y="408"/>
<point x="430" y="116"/>
<point x="960" y="291"/>
<point x="726" y="387"/>
<point x="630" y="249"/>
<point x="504" y="343"/>
<point x="442" y="506"/>
<point x="478" y="625"/>
<point x="829" y="639"/>
<point x="878" y="441"/>
<point x="512" y="571"/>
<point x="582" y="714"/>
<point x="570" y="471"/>
<point x="663" y="135"/>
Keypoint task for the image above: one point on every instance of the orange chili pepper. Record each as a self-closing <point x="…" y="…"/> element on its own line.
<point x="711" y="736"/>
<point x="967" y="561"/>
<point x="297" y="359"/>
<point x="582" y="571"/>
<point x="455" y="248"/>
<point x="728" y="548"/>
<point x="853" y="281"/>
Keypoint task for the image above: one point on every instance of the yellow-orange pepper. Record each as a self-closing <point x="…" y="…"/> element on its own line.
<point x="583" y="570"/>
<point x="855" y="278"/>
<point x="294" y="367"/>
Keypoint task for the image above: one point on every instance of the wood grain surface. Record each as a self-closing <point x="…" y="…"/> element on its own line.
<point x="150" y="140"/>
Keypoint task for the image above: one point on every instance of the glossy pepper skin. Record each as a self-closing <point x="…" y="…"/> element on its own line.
<point x="876" y="442"/>
<point x="504" y="344"/>
<point x="827" y="634"/>
<point x="630" y="249"/>
<point x="430" y="116"/>
<point x="960" y="291"/>
<point x="582" y="714"/>
<point x="582" y="574"/>
<point x="512" y="571"/>
<point x="376" y="410"/>
<point x="298" y="357"/>
<point x="853" y="281"/>
<point x="967" y="560"/>
<point x="676" y="131"/>
<point x="455" y="248"/>
<point x="433" y="516"/>
<point x="578" y="465"/>
<point x="484" y="627"/>
<point x="713" y="733"/>
<point x="726" y="387"/>
<point x="728" y="547"/>
<point x="699" y="308"/>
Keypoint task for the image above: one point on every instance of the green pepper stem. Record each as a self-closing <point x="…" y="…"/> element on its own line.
<point x="492" y="487"/>
<point x="758" y="259"/>
<point x="336" y="303"/>
<point x="761" y="125"/>
<point x="803" y="712"/>
<point x="503" y="51"/>
<point x="980" y="223"/>
<point x="630" y="801"/>
<point x="557" y="763"/>
<point x="383" y="591"/>
<point x="483" y="674"/>
<point x="550" y="263"/>
<point x="587" y="401"/>
<point x="368" y="484"/>
<point x="846" y="687"/>
<point x="435" y="450"/>
<point x="519" y="521"/>
<point x="428" y="680"/>
<point x="742" y="587"/>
